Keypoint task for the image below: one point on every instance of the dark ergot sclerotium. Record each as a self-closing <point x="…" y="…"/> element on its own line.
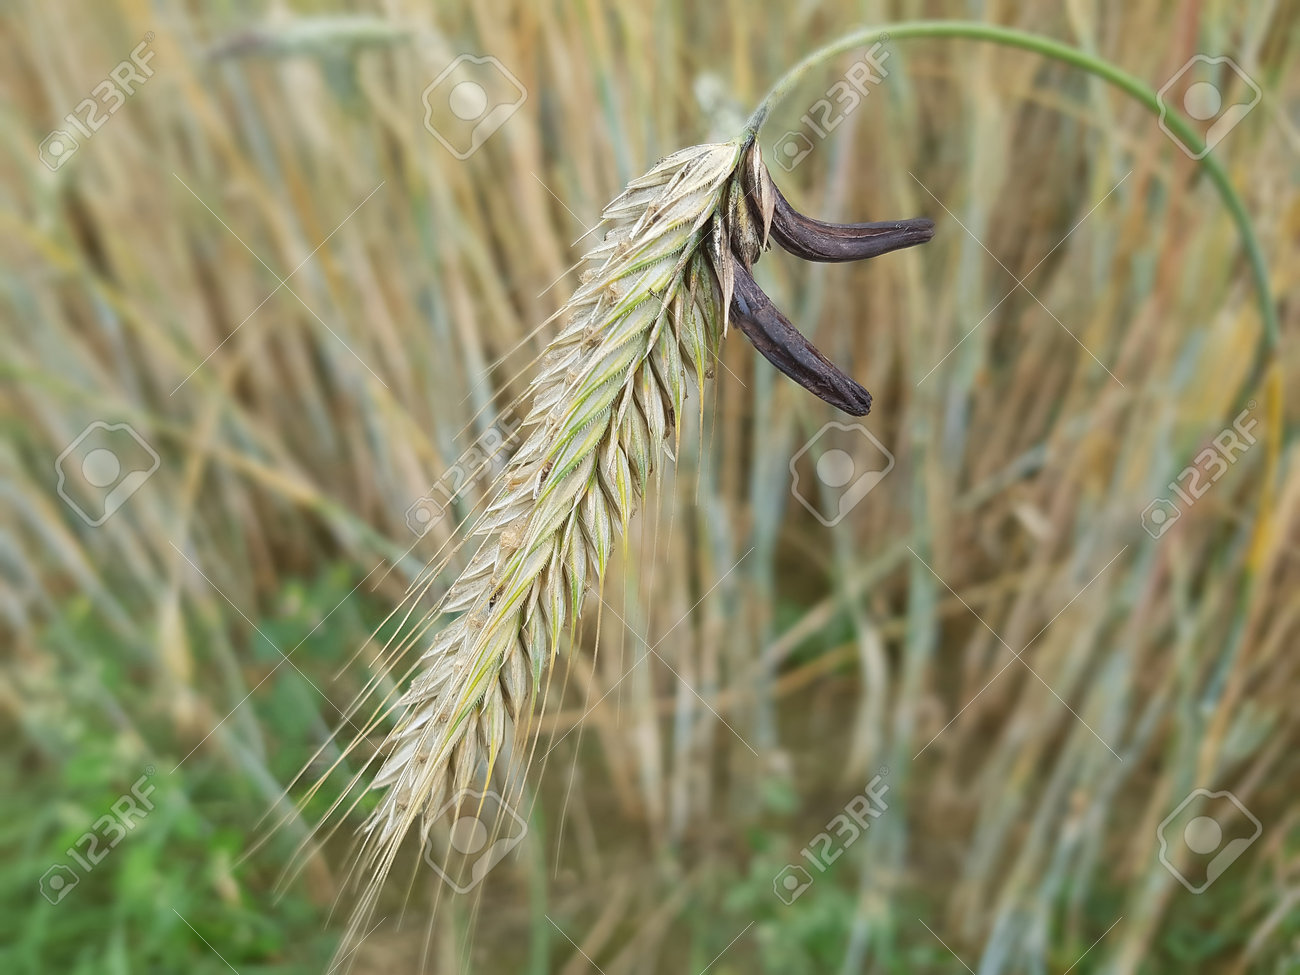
<point x="759" y="212"/>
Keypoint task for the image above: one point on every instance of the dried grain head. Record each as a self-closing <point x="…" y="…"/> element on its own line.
<point x="656" y="297"/>
<point x="605" y="412"/>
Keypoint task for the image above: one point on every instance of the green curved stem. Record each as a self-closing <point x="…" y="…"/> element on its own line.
<point x="1080" y="59"/>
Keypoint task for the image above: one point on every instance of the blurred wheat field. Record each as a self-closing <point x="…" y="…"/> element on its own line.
<point x="310" y="310"/>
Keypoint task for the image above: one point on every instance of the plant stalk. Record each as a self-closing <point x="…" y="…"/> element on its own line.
<point x="1058" y="51"/>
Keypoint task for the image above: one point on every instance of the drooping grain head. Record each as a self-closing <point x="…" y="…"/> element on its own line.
<point x="640" y="331"/>
<point x="656" y="298"/>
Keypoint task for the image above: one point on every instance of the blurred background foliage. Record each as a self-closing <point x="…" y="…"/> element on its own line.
<point x="309" y="309"/>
